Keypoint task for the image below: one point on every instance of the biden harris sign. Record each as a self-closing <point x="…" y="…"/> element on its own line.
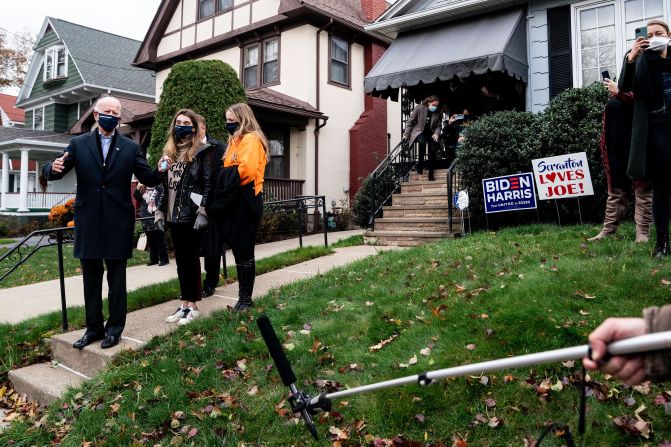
<point x="509" y="193"/>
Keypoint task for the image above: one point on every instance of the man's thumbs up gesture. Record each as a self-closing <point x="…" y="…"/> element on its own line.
<point x="59" y="164"/>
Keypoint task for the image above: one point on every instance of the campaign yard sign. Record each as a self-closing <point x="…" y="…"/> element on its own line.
<point x="563" y="176"/>
<point x="509" y="193"/>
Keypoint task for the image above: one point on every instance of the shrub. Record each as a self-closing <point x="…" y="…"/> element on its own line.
<point x="361" y="205"/>
<point x="573" y="122"/>
<point x="208" y="87"/>
<point x="499" y="144"/>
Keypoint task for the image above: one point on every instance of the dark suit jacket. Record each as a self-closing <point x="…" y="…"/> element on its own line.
<point x="417" y="121"/>
<point x="104" y="213"/>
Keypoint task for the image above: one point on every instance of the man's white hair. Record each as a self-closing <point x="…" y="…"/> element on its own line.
<point x="104" y="99"/>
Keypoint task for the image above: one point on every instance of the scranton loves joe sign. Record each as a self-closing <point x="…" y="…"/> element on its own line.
<point x="563" y="176"/>
<point x="509" y="193"/>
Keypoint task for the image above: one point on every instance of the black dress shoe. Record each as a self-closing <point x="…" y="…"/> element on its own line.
<point x="162" y="263"/>
<point x="109" y="341"/>
<point x="207" y="292"/>
<point x="152" y="263"/>
<point x="85" y="341"/>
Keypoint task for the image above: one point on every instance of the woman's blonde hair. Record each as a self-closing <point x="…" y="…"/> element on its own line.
<point x="170" y="148"/>
<point x="244" y="115"/>
<point x="659" y="22"/>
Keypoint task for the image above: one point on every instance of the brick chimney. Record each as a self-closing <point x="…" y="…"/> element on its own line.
<point x="373" y="8"/>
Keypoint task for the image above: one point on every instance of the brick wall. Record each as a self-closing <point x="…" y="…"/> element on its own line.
<point x="368" y="136"/>
<point x="373" y="8"/>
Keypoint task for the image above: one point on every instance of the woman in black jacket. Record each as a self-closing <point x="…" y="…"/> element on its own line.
<point x="423" y="128"/>
<point x="647" y="73"/>
<point x="187" y="188"/>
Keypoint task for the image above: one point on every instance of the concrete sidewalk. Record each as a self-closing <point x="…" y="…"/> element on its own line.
<point x="24" y="302"/>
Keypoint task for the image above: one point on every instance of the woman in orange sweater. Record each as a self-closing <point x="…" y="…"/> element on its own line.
<point x="248" y="150"/>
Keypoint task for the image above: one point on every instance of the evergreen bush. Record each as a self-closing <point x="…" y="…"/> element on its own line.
<point x="208" y="87"/>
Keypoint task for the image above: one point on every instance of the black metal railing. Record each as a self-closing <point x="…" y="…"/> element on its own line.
<point x="298" y="209"/>
<point x="20" y="253"/>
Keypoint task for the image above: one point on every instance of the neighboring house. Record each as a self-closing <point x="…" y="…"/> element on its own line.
<point x="302" y="64"/>
<point x="71" y="67"/>
<point x="10" y="116"/>
<point x="523" y="52"/>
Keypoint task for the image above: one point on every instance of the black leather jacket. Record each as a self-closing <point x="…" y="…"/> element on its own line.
<point x="196" y="179"/>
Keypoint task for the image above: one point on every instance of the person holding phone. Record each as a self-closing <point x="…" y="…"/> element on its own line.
<point x="647" y="74"/>
<point x="423" y="127"/>
<point x="187" y="187"/>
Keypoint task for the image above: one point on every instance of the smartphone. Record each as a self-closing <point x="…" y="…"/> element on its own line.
<point x="642" y="32"/>
<point x="459" y="117"/>
<point x="605" y="75"/>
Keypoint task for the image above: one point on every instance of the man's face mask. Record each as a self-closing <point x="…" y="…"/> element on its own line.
<point x="107" y="122"/>
<point x="658" y="43"/>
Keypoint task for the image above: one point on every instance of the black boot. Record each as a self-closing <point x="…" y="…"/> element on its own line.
<point x="662" y="246"/>
<point x="246" y="285"/>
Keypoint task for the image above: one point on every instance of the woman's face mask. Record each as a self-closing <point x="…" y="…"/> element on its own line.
<point x="432" y="108"/>
<point x="658" y="43"/>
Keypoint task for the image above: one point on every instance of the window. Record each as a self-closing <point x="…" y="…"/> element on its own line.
<point x="55" y="64"/>
<point x="604" y="31"/>
<point x="339" y="55"/>
<point x="278" y="142"/>
<point x="38" y="118"/>
<point x="266" y="73"/>
<point x="206" y="8"/>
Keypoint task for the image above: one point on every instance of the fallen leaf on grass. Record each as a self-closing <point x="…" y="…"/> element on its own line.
<point x="491" y="403"/>
<point x="568" y="363"/>
<point x="426" y="351"/>
<point x="633" y="426"/>
<point x="289" y="346"/>
<point x="629" y="401"/>
<point x="253" y="391"/>
<point x="369" y="303"/>
<point x="419" y="417"/>
<point x="495" y="422"/>
<point x="470" y="346"/>
<point x="665" y="282"/>
<point x="582" y="294"/>
<point x="383" y="343"/>
<point x="338" y="434"/>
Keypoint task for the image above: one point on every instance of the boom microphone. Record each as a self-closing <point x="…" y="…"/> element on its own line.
<point x="299" y="400"/>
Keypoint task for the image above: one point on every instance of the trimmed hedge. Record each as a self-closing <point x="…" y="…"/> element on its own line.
<point x="208" y="87"/>
<point x="505" y="143"/>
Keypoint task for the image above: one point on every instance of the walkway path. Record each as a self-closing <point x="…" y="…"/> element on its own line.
<point x="24" y="302"/>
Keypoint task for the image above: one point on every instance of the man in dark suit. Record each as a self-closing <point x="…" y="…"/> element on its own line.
<point x="104" y="161"/>
<point x="212" y="248"/>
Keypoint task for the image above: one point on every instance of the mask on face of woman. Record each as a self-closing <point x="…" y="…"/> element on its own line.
<point x="658" y="43"/>
<point x="183" y="131"/>
<point x="432" y="109"/>
<point x="232" y="127"/>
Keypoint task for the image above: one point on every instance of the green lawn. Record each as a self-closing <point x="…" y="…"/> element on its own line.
<point x="486" y="296"/>
<point x="43" y="266"/>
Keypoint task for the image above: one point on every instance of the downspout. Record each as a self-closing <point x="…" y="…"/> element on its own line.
<point x="317" y="105"/>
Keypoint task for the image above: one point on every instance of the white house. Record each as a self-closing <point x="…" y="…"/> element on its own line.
<point x="303" y="64"/>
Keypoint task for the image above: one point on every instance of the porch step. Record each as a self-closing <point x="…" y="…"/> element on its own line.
<point x="424" y="186"/>
<point x="421" y="198"/>
<point x="44" y="382"/>
<point x="413" y="224"/>
<point x="406" y="238"/>
<point x="415" y="211"/>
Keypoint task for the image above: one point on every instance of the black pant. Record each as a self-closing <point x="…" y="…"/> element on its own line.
<point x="186" y="242"/>
<point x="422" y="141"/>
<point x="158" y="248"/>
<point x="659" y="144"/>
<point x="212" y="266"/>
<point x="92" y="270"/>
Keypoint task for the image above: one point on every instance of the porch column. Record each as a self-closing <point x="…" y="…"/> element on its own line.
<point x="37" y="176"/>
<point x="23" y="182"/>
<point x="5" y="180"/>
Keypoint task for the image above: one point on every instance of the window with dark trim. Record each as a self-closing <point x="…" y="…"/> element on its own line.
<point x="261" y="63"/>
<point x="339" y="61"/>
<point x="208" y="8"/>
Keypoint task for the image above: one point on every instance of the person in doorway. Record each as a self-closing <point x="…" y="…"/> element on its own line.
<point x="248" y="150"/>
<point x="105" y="162"/>
<point x="212" y="247"/>
<point x="632" y="369"/>
<point x="615" y="144"/>
<point x="647" y="73"/>
<point x="423" y="127"/>
<point x="149" y="200"/>
<point x="187" y="187"/>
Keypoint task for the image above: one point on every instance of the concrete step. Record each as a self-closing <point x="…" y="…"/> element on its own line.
<point x="424" y="186"/>
<point x="415" y="211"/>
<point x="411" y="224"/>
<point x="420" y="198"/>
<point x="44" y="382"/>
<point x="406" y="238"/>
<point x="90" y="360"/>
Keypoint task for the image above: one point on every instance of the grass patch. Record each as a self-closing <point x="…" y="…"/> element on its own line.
<point x="26" y="343"/>
<point x="43" y="266"/>
<point x="349" y="242"/>
<point x="486" y="296"/>
<point x="7" y="241"/>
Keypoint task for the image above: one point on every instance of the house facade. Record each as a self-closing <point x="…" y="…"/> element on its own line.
<point x="568" y="43"/>
<point x="302" y="64"/>
<point x="71" y="67"/>
<point x="10" y="115"/>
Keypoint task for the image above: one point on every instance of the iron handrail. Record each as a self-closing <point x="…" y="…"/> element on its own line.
<point x="302" y="204"/>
